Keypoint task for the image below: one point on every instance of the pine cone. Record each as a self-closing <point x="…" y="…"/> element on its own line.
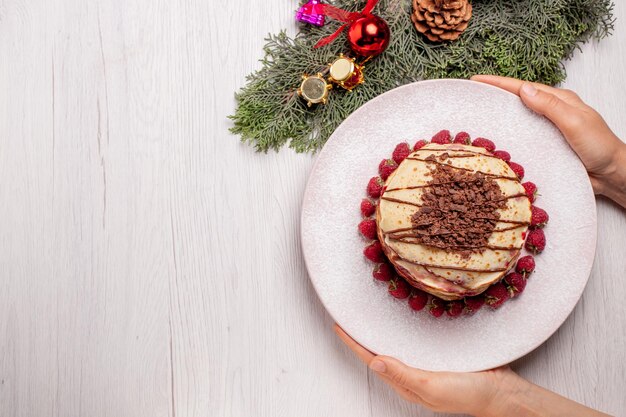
<point x="441" y="20"/>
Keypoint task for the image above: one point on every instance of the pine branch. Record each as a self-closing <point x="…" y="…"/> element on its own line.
<point x="523" y="39"/>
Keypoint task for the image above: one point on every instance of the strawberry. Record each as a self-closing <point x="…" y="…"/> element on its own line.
<point x="484" y="143"/>
<point x="516" y="283"/>
<point x="401" y="152"/>
<point x="374" y="252"/>
<point x="539" y="218"/>
<point x="496" y="295"/>
<point x="455" y="308"/>
<point x="375" y="187"/>
<point x="386" y="167"/>
<point x="367" y="207"/>
<point x="463" y="138"/>
<point x="436" y="307"/>
<point x="442" y="137"/>
<point x="399" y="288"/>
<point x="525" y="265"/>
<point x="504" y="155"/>
<point x="531" y="190"/>
<point x="367" y="227"/>
<point x="518" y="169"/>
<point x="473" y="304"/>
<point x="420" y="144"/>
<point x="536" y="241"/>
<point x="383" y="272"/>
<point x="418" y="299"/>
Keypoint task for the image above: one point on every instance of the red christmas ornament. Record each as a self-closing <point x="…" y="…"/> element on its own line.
<point x="368" y="35"/>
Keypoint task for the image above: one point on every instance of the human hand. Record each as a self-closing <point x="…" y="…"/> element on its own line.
<point x="599" y="149"/>
<point x="498" y="392"/>
<point x="477" y="393"/>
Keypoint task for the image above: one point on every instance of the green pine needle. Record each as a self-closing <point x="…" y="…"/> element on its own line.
<point x="523" y="39"/>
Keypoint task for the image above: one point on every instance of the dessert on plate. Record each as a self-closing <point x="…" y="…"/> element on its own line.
<point x="452" y="219"/>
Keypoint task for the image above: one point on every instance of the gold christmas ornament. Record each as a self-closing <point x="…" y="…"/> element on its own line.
<point x="314" y="89"/>
<point x="346" y="73"/>
<point x="441" y="20"/>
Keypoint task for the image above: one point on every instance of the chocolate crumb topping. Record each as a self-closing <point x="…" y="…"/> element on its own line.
<point x="459" y="211"/>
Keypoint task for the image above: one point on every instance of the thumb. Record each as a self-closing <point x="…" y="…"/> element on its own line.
<point x="549" y="105"/>
<point x="397" y="372"/>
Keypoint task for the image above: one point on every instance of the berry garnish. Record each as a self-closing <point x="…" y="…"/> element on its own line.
<point x="455" y="308"/>
<point x="436" y="307"/>
<point x="367" y="227"/>
<point x="383" y="272"/>
<point x="496" y="295"/>
<point x="399" y="288"/>
<point x="420" y="144"/>
<point x="536" y="241"/>
<point x="518" y="169"/>
<point x="484" y="143"/>
<point x="401" y="152"/>
<point x="539" y="218"/>
<point x="442" y="137"/>
<point x="473" y="304"/>
<point x="375" y="187"/>
<point x="504" y="155"/>
<point x="515" y="283"/>
<point x="525" y="265"/>
<point x="374" y="252"/>
<point x="531" y="190"/>
<point x="386" y="167"/>
<point x="463" y="138"/>
<point x="367" y="207"/>
<point x="418" y="299"/>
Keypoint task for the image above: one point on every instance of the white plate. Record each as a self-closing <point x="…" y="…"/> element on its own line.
<point x="333" y="247"/>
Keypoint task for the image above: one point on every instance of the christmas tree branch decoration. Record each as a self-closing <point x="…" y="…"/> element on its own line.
<point x="526" y="39"/>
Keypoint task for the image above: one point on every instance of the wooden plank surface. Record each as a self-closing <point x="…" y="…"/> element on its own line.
<point x="150" y="264"/>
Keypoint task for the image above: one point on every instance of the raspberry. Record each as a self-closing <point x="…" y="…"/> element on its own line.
<point x="418" y="299"/>
<point x="375" y="187"/>
<point x="442" y="137"/>
<point x="496" y="295"/>
<point x="516" y="283"/>
<point x="525" y="265"/>
<point x="504" y="155"/>
<point x="420" y="144"/>
<point x="401" y="152"/>
<point x="539" y="218"/>
<point x="484" y="143"/>
<point x="399" y="288"/>
<point x="367" y="228"/>
<point x="473" y="304"/>
<point x="383" y="272"/>
<point x="374" y="252"/>
<point x="531" y="190"/>
<point x="455" y="308"/>
<point x="367" y="207"/>
<point x="386" y="167"/>
<point x="436" y="307"/>
<point x="536" y="241"/>
<point x="518" y="169"/>
<point x="463" y="138"/>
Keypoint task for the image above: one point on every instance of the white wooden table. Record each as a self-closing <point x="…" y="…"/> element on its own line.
<point x="150" y="264"/>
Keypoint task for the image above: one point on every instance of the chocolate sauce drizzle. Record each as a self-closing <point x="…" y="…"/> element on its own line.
<point x="454" y="155"/>
<point x="459" y="168"/>
<point x="397" y="200"/>
<point x="462" y="214"/>
<point x="451" y="195"/>
<point x="412" y="239"/>
<point x="455" y="268"/>
<point x="444" y="156"/>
